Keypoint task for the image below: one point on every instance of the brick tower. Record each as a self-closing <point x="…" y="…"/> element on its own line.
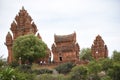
<point x="65" y="48"/>
<point x="22" y="25"/>
<point x="99" y="49"/>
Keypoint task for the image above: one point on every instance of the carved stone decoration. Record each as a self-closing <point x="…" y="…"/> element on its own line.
<point x="99" y="49"/>
<point x="65" y="48"/>
<point x="22" y="25"/>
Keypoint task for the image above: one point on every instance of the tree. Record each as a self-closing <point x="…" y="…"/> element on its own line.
<point x="78" y="73"/>
<point x="86" y="54"/>
<point x="106" y="63"/>
<point x="94" y="68"/>
<point x="29" y="48"/>
<point x="116" y="56"/>
<point x="114" y="72"/>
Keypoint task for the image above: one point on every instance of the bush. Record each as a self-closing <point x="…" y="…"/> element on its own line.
<point x="14" y="74"/>
<point x="93" y="77"/>
<point x="8" y="74"/>
<point x="50" y="77"/>
<point x="106" y="78"/>
<point x="24" y="76"/>
<point x="78" y="73"/>
<point x="14" y="64"/>
<point x="24" y="68"/>
<point x="2" y="62"/>
<point x="65" y="67"/>
<point x="42" y="71"/>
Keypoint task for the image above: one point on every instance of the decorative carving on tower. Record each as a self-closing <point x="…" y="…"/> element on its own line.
<point x="99" y="49"/>
<point x="65" y="48"/>
<point x="22" y="25"/>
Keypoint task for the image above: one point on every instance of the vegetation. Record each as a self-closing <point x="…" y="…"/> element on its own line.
<point x="78" y="73"/>
<point x="86" y="54"/>
<point x="2" y="61"/>
<point x="8" y="74"/>
<point x="65" y="67"/>
<point x="116" y="56"/>
<point x="29" y="48"/>
<point x="42" y="71"/>
<point x="114" y="72"/>
<point x="51" y="77"/>
<point x="102" y="69"/>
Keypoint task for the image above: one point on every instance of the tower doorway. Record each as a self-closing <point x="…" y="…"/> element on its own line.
<point x="60" y="58"/>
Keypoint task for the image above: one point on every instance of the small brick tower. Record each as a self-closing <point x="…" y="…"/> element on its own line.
<point x="65" y="48"/>
<point x="99" y="49"/>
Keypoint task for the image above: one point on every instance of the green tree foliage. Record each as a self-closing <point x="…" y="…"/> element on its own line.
<point x="94" y="67"/>
<point x="116" y="56"/>
<point x="86" y="54"/>
<point x="29" y="47"/>
<point x="65" y="67"/>
<point x="78" y="73"/>
<point x="105" y="63"/>
<point x="114" y="72"/>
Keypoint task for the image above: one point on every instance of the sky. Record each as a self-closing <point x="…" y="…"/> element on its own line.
<point x="87" y="18"/>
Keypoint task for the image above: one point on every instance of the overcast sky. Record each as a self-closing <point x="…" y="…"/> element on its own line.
<point x="87" y="18"/>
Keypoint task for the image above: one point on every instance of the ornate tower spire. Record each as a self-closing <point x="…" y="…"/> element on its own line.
<point x="23" y="24"/>
<point x="23" y="8"/>
<point x="99" y="49"/>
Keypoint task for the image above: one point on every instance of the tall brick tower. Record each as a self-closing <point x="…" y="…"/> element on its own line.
<point x="22" y="25"/>
<point x="99" y="49"/>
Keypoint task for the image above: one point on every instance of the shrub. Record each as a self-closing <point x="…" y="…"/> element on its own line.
<point x="93" y="77"/>
<point x="14" y="64"/>
<point x="8" y="74"/>
<point x="78" y="73"/>
<point x="24" y="68"/>
<point x="24" y="76"/>
<point x="42" y="71"/>
<point x="106" y="78"/>
<point x="50" y="77"/>
<point x="65" y="67"/>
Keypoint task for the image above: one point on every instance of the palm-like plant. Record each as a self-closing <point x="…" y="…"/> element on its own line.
<point x="7" y="74"/>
